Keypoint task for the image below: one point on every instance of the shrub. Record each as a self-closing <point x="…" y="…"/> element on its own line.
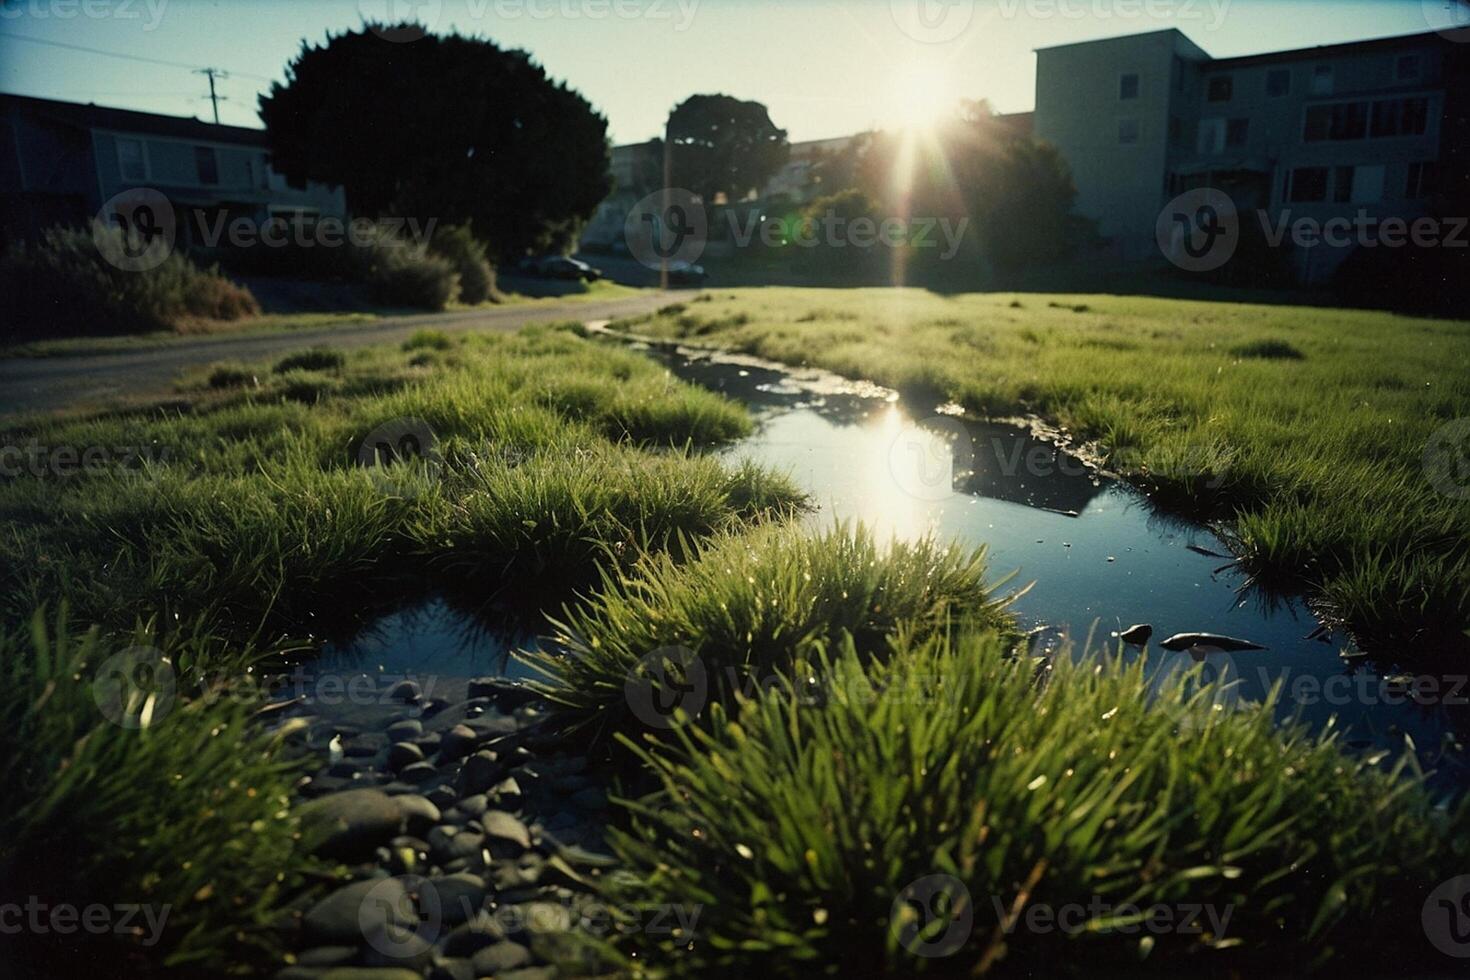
<point x="428" y="340"/>
<point x="312" y="359"/>
<point x="795" y="825"/>
<point x="751" y="608"/>
<point x="65" y="285"/>
<point x="1271" y="350"/>
<point x="232" y="376"/>
<point x="467" y="255"/>
<point x="121" y="794"/>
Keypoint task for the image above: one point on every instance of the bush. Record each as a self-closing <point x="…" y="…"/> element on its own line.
<point x="796" y="824"/>
<point x="751" y="609"/>
<point x="1270" y="350"/>
<point x="65" y="285"/>
<point x="312" y="359"/>
<point x="428" y="340"/>
<point x="466" y="254"/>
<point x="122" y="794"/>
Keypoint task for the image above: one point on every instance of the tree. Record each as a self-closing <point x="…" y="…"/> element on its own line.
<point x="723" y="145"/>
<point x="454" y="129"/>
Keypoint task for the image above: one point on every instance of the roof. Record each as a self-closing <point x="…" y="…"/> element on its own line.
<point x="1331" y="50"/>
<point x="1117" y="37"/>
<point x="93" y="116"/>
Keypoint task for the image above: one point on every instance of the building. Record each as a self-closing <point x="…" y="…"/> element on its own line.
<point x="60" y="162"/>
<point x="1321" y="133"/>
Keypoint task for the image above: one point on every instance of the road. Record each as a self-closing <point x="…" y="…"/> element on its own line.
<point x="45" y="384"/>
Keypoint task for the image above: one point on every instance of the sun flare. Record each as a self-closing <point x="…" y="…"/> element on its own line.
<point x="916" y="97"/>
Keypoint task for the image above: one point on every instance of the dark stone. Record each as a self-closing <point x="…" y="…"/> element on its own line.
<point x="407" y="692"/>
<point x="1137" y="635"/>
<point x="324" y="956"/>
<point x="401" y="754"/>
<point x="350" y="911"/>
<point x="473" y="936"/>
<point x="397" y="946"/>
<point x="504" y="829"/>
<point x="442" y="796"/>
<point x="474" y="806"/>
<point x="405" y="730"/>
<point x="480" y="772"/>
<point x="355" y="822"/>
<point x="418" y="772"/>
<point x="501" y="957"/>
<point x="419" y="814"/>
<point x="460" y="896"/>
<point x="453" y="969"/>
<point x="457" y="743"/>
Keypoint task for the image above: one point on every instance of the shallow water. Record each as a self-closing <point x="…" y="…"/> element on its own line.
<point x="1099" y="558"/>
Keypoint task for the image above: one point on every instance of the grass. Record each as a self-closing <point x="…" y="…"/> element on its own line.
<point x="750" y="608"/>
<point x="123" y="790"/>
<point x="1300" y="430"/>
<point x="796" y="821"/>
<point x="250" y="506"/>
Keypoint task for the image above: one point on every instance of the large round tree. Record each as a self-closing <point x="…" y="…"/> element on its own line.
<point x="449" y="128"/>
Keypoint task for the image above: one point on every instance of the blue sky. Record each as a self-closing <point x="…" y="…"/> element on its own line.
<point x="823" y="67"/>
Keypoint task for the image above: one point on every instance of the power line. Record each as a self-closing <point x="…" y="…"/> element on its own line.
<point x="126" y="57"/>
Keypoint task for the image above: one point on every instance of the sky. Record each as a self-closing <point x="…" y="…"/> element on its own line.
<point x="823" y="67"/>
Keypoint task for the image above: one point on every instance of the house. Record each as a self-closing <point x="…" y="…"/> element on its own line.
<point x="60" y="162"/>
<point x="1320" y="133"/>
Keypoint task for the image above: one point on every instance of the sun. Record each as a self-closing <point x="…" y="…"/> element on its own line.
<point x="916" y="97"/>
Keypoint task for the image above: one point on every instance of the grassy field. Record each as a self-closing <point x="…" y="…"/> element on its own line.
<point x="1302" y="431"/>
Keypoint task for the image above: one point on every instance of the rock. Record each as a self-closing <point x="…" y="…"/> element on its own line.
<point x="401" y="754"/>
<point x="407" y="692"/>
<point x="1208" y="641"/>
<point x="474" y="806"/>
<point x="343" y="769"/>
<point x="500" y="958"/>
<point x="1137" y="635"/>
<point x="405" y="730"/>
<point x="465" y="844"/>
<point x="467" y="940"/>
<point x="453" y="969"/>
<point x="418" y="772"/>
<point x="530" y="973"/>
<point x="460" y="896"/>
<point x="457" y="743"/>
<point x="298" y="972"/>
<point x="540" y="919"/>
<point x="508" y="792"/>
<point x="352" y="910"/>
<point x="442" y="796"/>
<point x="433" y="706"/>
<point x="356" y="822"/>
<point x="324" y="956"/>
<point x="590" y="799"/>
<point x="370" y="973"/>
<point x="501" y="826"/>
<point x="419" y="814"/>
<point x="399" y="946"/>
<point x="480" y="772"/>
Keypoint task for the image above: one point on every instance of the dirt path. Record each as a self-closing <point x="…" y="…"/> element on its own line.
<point x="44" y="384"/>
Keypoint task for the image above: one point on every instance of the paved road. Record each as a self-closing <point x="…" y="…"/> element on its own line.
<point x="43" y="384"/>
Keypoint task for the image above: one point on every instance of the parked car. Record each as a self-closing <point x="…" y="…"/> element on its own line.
<point x="686" y="274"/>
<point x="563" y="267"/>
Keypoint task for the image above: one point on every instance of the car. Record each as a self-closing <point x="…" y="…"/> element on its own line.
<point x="565" y="267"/>
<point x="686" y="274"/>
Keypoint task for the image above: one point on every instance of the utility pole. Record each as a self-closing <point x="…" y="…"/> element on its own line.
<point x="215" y="100"/>
<point x="663" y="217"/>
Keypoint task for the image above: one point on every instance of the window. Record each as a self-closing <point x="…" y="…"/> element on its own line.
<point x="1367" y="184"/>
<point x="206" y="165"/>
<point x="1421" y="180"/>
<point x="1342" y="184"/>
<point x="1128" y="86"/>
<point x="130" y="159"/>
<point x="1339" y="121"/>
<point x="1176" y="131"/>
<point x="1221" y="88"/>
<point x="1278" y="82"/>
<point x="1308" y="184"/>
<point x="1406" y="68"/>
<point x="1400" y="117"/>
<point x="1211" y="135"/>
<point x="1237" y="132"/>
<point x="1127" y="130"/>
<point x="1322" y="80"/>
<point x="1178" y="74"/>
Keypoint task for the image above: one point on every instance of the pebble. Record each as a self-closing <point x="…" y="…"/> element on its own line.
<point x="502" y="826"/>
<point x="405" y="729"/>
<point x="457" y="743"/>
<point x="407" y="692"/>
<point x="500" y="958"/>
<point x="419" y="814"/>
<point x="460" y="896"/>
<point x="452" y="969"/>
<point x="480" y="772"/>
<point x="344" y="915"/>
<point x="359" y="820"/>
<point x="473" y="936"/>
<point x="418" y="772"/>
<point x="401" y="754"/>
